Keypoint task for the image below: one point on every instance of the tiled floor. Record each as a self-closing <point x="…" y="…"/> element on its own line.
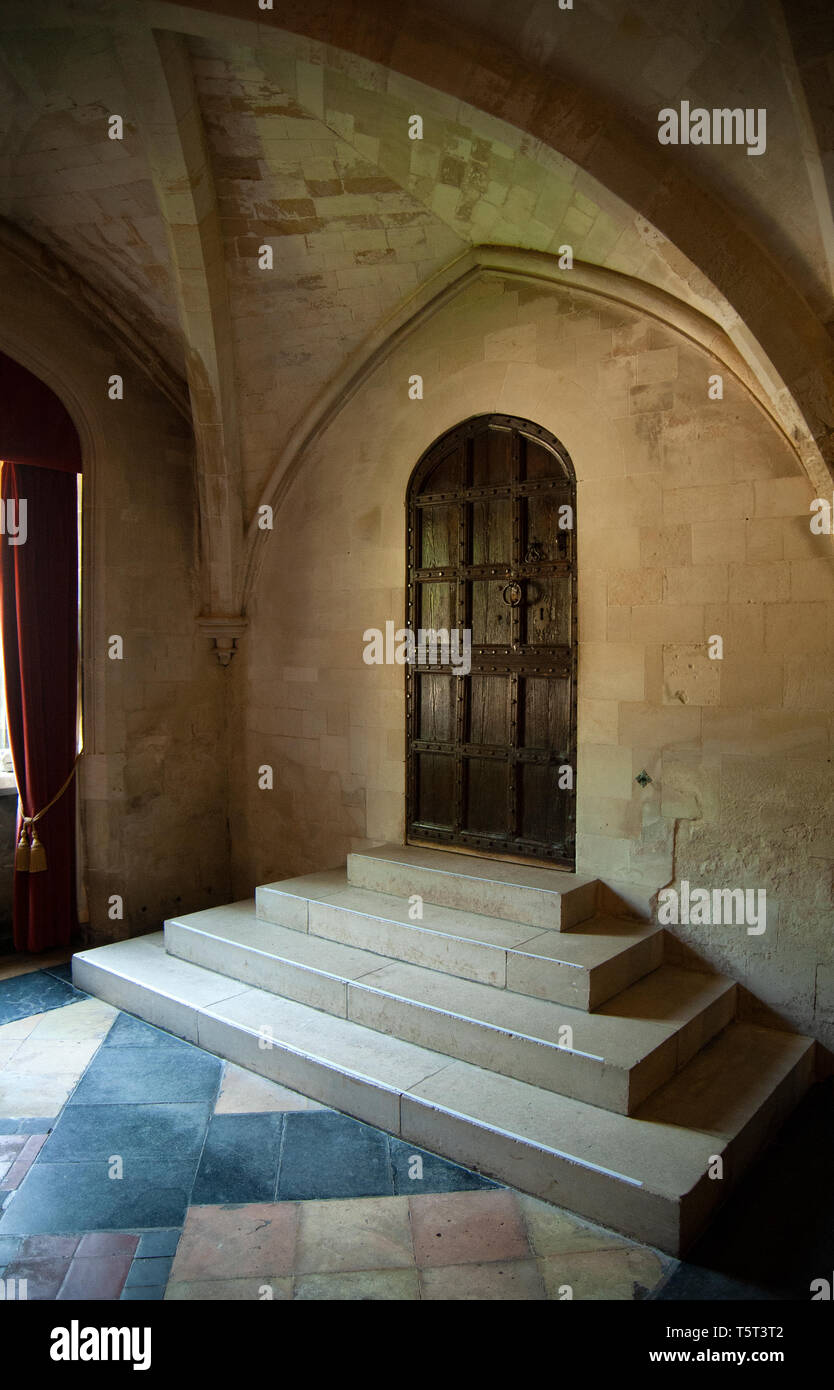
<point x="135" y="1166"/>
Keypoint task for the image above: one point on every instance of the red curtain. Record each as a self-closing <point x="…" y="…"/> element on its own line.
<point x="39" y="611"/>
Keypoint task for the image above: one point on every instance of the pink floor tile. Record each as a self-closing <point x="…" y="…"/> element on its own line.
<point x="453" y="1228"/>
<point x="96" y="1277"/>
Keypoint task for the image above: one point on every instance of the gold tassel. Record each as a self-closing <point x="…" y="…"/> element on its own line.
<point x="31" y="858"/>
<point x="37" y="855"/>
<point x="21" y="854"/>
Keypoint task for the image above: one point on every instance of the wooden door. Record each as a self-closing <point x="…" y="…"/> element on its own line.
<point x="492" y="547"/>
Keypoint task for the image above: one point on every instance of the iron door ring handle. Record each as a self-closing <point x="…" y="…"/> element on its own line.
<point x="515" y="600"/>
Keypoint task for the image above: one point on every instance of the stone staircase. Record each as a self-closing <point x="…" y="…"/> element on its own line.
<point x="513" y="1027"/>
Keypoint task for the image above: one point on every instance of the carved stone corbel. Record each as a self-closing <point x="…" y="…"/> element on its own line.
<point x="224" y="632"/>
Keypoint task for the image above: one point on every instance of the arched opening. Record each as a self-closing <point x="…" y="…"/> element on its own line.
<point x="39" y="604"/>
<point x="491" y="715"/>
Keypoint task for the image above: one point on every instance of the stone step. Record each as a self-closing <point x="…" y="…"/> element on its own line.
<point x="645" y="1176"/>
<point x="546" y="898"/>
<point x="613" y="1058"/>
<point x="583" y="967"/>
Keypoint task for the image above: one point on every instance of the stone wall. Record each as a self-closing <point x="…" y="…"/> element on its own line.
<point x="693" y="521"/>
<point x="153" y="778"/>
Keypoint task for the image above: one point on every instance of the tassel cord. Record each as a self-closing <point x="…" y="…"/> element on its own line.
<point x="31" y="858"/>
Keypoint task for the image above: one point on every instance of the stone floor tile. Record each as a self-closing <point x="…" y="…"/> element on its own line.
<point x="47" y="1247"/>
<point x="150" y="1271"/>
<point x="273" y="1288"/>
<point x="552" y="1230"/>
<point x="149" y="1075"/>
<point x="106" y="1243"/>
<point x="152" y="1243"/>
<point x="467" y="1227"/>
<point x="376" y="1285"/>
<point x="9" y="1246"/>
<point x="128" y="1031"/>
<point x="28" y="1094"/>
<point x="144" y="1293"/>
<point x="236" y="1242"/>
<point x="362" y="1233"/>
<point x="99" y="1278"/>
<point x="432" y="1174"/>
<point x="86" y="1019"/>
<point x="331" y="1155"/>
<point x="244" y="1092"/>
<point x="33" y="1143"/>
<point x="44" y="1276"/>
<point x="32" y="993"/>
<point x="498" y="1280"/>
<point x="10" y="1148"/>
<point x="87" y="1132"/>
<point x="122" y="1075"/>
<point x="62" y="970"/>
<point x="63" y="1197"/>
<point x="20" y="1027"/>
<point x="46" y="1056"/>
<point x="239" y="1162"/>
<point x="604" y="1274"/>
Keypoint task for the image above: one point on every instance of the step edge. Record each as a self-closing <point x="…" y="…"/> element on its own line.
<point x="470" y="877"/>
<point x="517" y="949"/>
<point x="479" y="1122"/>
<point x="362" y="983"/>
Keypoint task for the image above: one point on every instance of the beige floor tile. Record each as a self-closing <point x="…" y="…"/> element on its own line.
<point x="361" y="1233"/>
<point x="85" y="1019"/>
<point x="48" y="1056"/>
<point x="243" y="1092"/>
<point x="25" y="1095"/>
<point x="230" y="1290"/>
<point x="374" y="1285"/>
<point x="21" y="1027"/>
<point x="236" y="1242"/>
<point x="603" y="1274"/>
<point x="552" y="1231"/>
<point x="8" y="1048"/>
<point x="509" y="1280"/>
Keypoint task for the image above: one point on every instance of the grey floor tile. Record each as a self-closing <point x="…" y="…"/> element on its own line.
<point x="431" y="1173"/>
<point x="57" y="1198"/>
<point x="34" y="993"/>
<point x="149" y="1075"/>
<point x="149" y="1272"/>
<point x="87" y="1132"/>
<point x="240" y="1159"/>
<point x="158" y="1243"/>
<point x="128" y="1031"/>
<point x="325" y="1154"/>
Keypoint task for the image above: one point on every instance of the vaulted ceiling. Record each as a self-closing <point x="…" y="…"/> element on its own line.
<point x="246" y="126"/>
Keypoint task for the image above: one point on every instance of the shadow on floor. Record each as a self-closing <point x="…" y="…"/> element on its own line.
<point x="776" y="1233"/>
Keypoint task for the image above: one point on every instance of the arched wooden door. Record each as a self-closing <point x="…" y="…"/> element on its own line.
<point x="492" y="548"/>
